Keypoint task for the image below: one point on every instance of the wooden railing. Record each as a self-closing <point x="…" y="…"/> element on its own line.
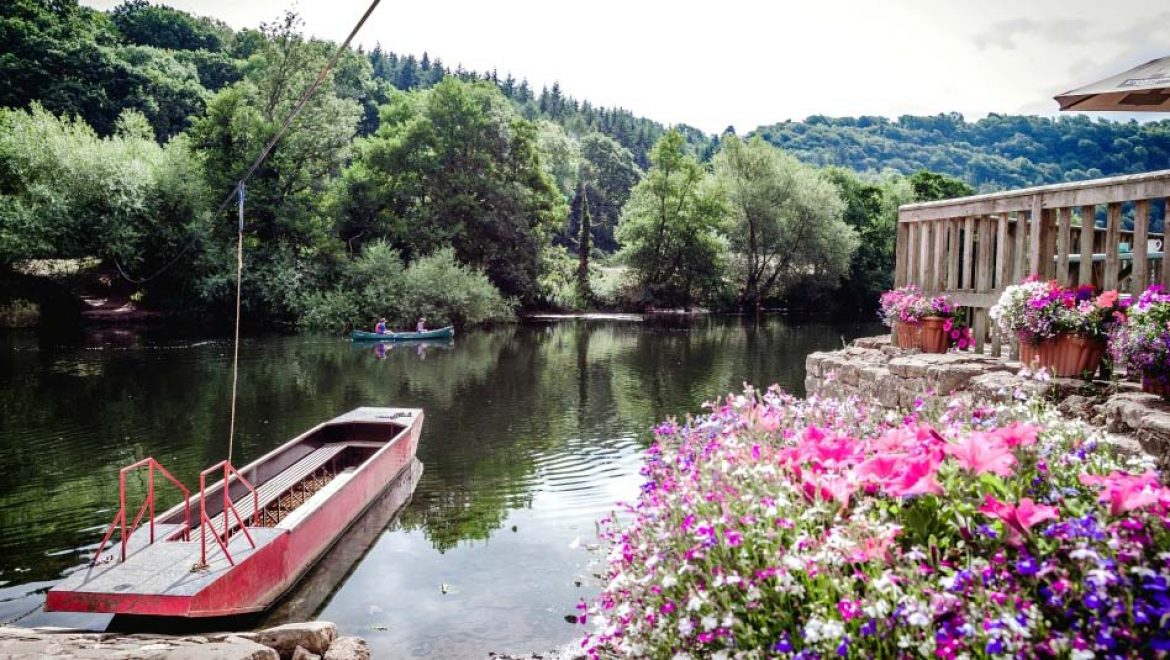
<point x="972" y="247"/>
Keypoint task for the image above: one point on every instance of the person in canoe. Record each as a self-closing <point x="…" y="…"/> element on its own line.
<point x="422" y="324"/>
<point x="380" y="327"/>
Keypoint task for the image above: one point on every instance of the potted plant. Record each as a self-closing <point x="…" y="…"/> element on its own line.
<point x="1142" y="343"/>
<point x="933" y="317"/>
<point x="1083" y="323"/>
<point x="1061" y="330"/>
<point x="899" y="311"/>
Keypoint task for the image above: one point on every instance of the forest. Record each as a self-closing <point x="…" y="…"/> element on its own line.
<point x="406" y="188"/>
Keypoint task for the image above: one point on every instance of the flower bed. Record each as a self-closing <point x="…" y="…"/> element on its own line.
<point x="775" y="527"/>
<point x="1142" y="344"/>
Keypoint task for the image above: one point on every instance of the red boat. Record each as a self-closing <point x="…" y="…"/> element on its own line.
<point x="224" y="552"/>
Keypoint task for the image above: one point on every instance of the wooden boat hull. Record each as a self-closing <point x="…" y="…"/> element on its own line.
<point x="438" y="333"/>
<point x="162" y="579"/>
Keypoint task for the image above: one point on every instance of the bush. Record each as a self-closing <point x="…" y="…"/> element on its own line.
<point x="376" y="284"/>
<point x="775" y="527"/>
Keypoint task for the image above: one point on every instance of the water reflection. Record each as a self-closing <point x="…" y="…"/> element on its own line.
<point x="532" y="433"/>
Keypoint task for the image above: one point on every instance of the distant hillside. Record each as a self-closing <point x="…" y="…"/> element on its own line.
<point x="998" y="152"/>
<point x="167" y="64"/>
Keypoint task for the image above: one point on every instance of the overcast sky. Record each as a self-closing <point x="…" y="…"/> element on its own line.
<point x="733" y="62"/>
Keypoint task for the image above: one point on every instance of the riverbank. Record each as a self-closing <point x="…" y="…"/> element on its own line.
<point x="317" y="640"/>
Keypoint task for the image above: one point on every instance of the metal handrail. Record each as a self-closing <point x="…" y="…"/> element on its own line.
<point x="119" y="521"/>
<point x="205" y="521"/>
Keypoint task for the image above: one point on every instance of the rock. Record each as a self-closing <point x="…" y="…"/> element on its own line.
<point x="315" y="636"/>
<point x="299" y="653"/>
<point x="232" y="647"/>
<point x="348" y="648"/>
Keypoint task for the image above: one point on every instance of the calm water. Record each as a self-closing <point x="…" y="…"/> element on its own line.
<point x="532" y="432"/>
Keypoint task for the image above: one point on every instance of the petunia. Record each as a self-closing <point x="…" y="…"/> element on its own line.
<point x="1018" y="518"/>
<point x="983" y="452"/>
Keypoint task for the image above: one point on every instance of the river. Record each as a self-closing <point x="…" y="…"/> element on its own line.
<point x="532" y="433"/>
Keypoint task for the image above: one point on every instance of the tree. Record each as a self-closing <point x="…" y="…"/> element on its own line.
<point x="670" y="228"/>
<point x="871" y="209"/>
<point x="290" y="233"/>
<point x="140" y="23"/>
<point x="613" y="174"/>
<point x="584" y="233"/>
<point x="930" y="186"/>
<point x="454" y="165"/>
<point x="788" y="226"/>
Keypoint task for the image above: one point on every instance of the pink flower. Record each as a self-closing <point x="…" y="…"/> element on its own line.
<point x="880" y="468"/>
<point x="1127" y="492"/>
<point x="1018" y="435"/>
<point x="983" y="452"/>
<point x="1019" y="518"/>
<point x="918" y="478"/>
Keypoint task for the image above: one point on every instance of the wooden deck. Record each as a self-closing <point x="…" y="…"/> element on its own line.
<point x="972" y="248"/>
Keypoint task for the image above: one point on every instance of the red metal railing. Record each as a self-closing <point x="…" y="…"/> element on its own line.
<point x="119" y="521"/>
<point x="205" y="521"/>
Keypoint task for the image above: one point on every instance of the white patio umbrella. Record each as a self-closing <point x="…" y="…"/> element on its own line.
<point x="1144" y="88"/>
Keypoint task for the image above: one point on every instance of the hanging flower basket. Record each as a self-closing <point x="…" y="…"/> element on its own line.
<point x="933" y="334"/>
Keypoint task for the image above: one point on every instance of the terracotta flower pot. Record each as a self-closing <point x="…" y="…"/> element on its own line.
<point x="934" y="337"/>
<point x="907" y="335"/>
<point x="1037" y="355"/>
<point x="1077" y="356"/>
<point x="1155" y="385"/>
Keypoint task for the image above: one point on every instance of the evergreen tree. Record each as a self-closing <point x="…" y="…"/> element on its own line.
<point x="584" y="294"/>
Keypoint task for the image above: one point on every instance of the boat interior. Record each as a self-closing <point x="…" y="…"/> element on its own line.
<point x="287" y="478"/>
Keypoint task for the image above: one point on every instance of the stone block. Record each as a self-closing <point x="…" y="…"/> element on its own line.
<point x="230" y="648"/>
<point x="314" y="636"/>
<point x="348" y="648"/>
<point x="301" y="654"/>
<point x="945" y="379"/>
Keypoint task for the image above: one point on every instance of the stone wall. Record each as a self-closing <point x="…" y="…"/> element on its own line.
<point x="873" y="369"/>
<point x="315" y="640"/>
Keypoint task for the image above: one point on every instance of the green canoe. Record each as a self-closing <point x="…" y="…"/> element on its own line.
<point x="438" y="333"/>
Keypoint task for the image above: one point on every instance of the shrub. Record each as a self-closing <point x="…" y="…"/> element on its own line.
<point x="775" y="527"/>
<point x="375" y="284"/>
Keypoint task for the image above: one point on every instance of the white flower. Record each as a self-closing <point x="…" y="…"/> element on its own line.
<point x="710" y="622"/>
<point x="669" y="581"/>
<point x="694" y="604"/>
<point x="685" y="627"/>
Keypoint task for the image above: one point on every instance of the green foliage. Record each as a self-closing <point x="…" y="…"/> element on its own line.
<point x="584" y="233"/>
<point x="871" y="209"/>
<point x="454" y="165"/>
<point x="997" y="152"/>
<point x="788" y="226"/>
<point x="286" y="219"/>
<point x="140" y="23"/>
<point x="375" y="284"/>
<point x="67" y="192"/>
<point x="670" y="229"/>
<point x="931" y="186"/>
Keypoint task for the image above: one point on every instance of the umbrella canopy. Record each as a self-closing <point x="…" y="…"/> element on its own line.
<point x="1144" y="88"/>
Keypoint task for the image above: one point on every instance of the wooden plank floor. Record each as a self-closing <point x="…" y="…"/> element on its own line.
<point x="166" y="568"/>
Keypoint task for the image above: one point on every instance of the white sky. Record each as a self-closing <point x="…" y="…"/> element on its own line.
<point x="736" y="62"/>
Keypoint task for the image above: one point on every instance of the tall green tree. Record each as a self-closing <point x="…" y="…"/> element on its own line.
<point x="455" y="165"/>
<point x="288" y="224"/>
<point x="613" y="174"/>
<point x="788" y="225"/>
<point x="584" y="246"/>
<point x="670" y="228"/>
